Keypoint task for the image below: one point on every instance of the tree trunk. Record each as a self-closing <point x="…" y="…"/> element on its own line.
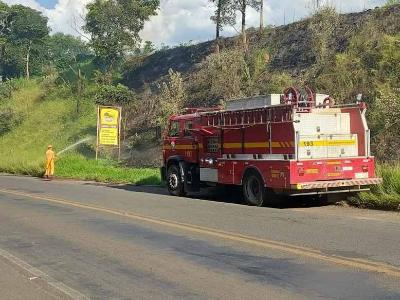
<point x="218" y="29"/>
<point x="79" y="91"/>
<point x="243" y="11"/>
<point x="218" y="20"/>
<point x="28" y="57"/>
<point x="261" y="15"/>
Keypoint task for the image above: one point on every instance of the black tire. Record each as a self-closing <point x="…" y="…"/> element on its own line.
<point x="254" y="192"/>
<point x="174" y="181"/>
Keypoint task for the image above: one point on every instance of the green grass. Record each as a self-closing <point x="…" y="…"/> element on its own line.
<point x="385" y="196"/>
<point x="49" y="117"/>
<point x="78" y="167"/>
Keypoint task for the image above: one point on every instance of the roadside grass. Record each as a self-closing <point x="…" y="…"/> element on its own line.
<point x="385" y="196"/>
<point x="77" y="166"/>
<point x="50" y="118"/>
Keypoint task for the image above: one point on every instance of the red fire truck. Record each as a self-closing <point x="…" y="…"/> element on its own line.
<point x="297" y="143"/>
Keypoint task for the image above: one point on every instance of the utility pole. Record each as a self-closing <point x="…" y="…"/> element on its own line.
<point x="284" y="17"/>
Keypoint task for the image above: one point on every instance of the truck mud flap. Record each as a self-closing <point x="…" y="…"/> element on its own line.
<point x="163" y="173"/>
<point x="191" y="175"/>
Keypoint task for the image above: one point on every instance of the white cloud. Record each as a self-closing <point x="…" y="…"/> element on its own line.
<point x="180" y="21"/>
<point x="67" y="16"/>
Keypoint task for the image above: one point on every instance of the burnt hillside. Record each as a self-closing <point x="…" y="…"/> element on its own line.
<point x="290" y="47"/>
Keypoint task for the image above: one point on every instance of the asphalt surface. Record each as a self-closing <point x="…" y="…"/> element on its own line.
<point x="77" y="240"/>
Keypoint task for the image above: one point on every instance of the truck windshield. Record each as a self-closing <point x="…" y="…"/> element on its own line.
<point x="174" y="129"/>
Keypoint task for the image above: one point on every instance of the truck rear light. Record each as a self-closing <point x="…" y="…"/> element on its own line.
<point x="300" y="171"/>
<point x="365" y="169"/>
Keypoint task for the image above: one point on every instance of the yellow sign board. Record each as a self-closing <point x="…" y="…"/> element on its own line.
<point x="109" y="116"/>
<point x="108" y="137"/>
<point x="109" y="120"/>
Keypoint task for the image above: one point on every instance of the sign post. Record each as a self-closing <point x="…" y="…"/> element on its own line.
<point x="108" y="128"/>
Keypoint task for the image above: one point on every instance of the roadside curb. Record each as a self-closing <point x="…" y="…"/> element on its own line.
<point x="99" y="183"/>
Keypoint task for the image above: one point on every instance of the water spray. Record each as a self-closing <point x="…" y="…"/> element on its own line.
<point x="75" y="145"/>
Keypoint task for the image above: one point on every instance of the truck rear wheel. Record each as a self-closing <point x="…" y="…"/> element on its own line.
<point x="174" y="181"/>
<point x="255" y="194"/>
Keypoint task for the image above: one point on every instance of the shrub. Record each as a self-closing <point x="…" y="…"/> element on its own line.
<point x="385" y="122"/>
<point x="230" y="74"/>
<point x="384" y="196"/>
<point x="50" y="77"/>
<point x="111" y="95"/>
<point x="8" y="120"/>
<point x="8" y="87"/>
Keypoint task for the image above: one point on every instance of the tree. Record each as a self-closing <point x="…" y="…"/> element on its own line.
<point x="27" y="30"/>
<point x="148" y="47"/>
<point x="392" y="2"/>
<point x="4" y="11"/>
<point x="114" y="26"/>
<point x="322" y="26"/>
<point x="223" y="15"/>
<point x="241" y="6"/>
<point x="172" y="96"/>
<point x="65" y="50"/>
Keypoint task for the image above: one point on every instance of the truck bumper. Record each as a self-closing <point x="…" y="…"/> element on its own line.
<point x="334" y="186"/>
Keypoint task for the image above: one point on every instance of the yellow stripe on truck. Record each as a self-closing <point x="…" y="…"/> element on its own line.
<point x="252" y="145"/>
<point x="331" y="143"/>
<point x="180" y="147"/>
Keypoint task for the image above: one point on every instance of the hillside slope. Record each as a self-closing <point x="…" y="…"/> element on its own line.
<point x="49" y="117"/>
<point x="290" y="47"/>
<point x="46" y="119"/>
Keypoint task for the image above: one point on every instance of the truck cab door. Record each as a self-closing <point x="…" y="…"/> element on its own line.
<point x="171" y="139"/>
<point x="190" y="144"/>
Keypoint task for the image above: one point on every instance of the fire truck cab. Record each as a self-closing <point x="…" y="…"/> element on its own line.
<point x="297" y="143"/>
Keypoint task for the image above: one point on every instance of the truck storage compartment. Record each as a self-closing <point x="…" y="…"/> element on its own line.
<point x="325" y="134"/>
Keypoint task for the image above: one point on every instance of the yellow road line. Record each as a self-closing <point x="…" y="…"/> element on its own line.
<point x="361" y="264"/>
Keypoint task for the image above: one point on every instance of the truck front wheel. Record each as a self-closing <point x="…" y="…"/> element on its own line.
<point x="255" y="194"/>
<point x="174" y="181"/>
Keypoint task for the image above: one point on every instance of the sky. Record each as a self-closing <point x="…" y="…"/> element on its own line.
<point x="182" y="21"/>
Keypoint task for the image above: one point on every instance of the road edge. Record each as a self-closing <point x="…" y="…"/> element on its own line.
<point x="40" y="278"/>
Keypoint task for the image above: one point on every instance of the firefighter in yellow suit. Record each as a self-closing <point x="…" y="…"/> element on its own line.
<point x="50" y="158"/>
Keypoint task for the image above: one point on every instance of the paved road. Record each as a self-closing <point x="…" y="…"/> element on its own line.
<point x="79" y="240"/>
